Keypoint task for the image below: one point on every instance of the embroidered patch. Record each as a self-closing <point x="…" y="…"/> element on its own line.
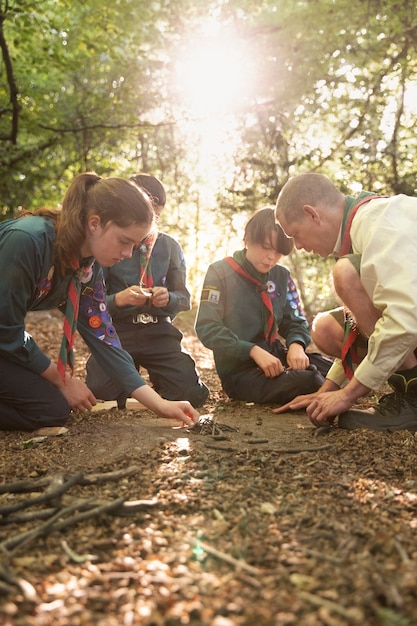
<point x="271" y="286"/>
<point x="209" y="294"/>
<point x="95" y="321"/>
<point x="44" y="286"/>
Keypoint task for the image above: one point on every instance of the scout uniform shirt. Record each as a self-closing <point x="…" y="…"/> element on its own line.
<point x="231" y="315"/>
<point x="167" y="269"/>
<point x="384" y="233"/>
<point x="30" y="282"/>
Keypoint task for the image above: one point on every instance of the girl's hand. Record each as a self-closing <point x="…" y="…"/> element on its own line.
<point x="160" y="297"/>
<point x="74" y="390"/>
<point x="180" y="410"/>
<point x="78" y="395"/>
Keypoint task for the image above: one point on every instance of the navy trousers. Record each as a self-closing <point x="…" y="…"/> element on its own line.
<point x="28" y="401"/>
<point x="251" y="385"/>
<point x="157" y="348"/>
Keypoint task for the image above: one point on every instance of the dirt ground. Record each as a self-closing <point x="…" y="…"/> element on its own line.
<point x="128" y="519"/>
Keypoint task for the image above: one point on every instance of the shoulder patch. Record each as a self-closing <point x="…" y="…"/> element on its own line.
<point x="210" y="294"/>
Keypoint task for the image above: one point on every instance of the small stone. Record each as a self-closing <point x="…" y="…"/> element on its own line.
<point x="321" y="430"/>
<point x="52" y="431"/>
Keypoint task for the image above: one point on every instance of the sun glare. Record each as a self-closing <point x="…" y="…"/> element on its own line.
<point x="213" y="72"/>
<point x="213" y="79"/>
<point x="213" y="82"/>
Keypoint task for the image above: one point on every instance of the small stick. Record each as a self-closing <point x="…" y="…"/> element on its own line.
<point x="75" y="557"/>
<point x="297" y="450"/>
<point x="101" y="478"/>
<point x="222" y="448"/>
<point x="237" y="563"/>
<point x="351" y="614"/>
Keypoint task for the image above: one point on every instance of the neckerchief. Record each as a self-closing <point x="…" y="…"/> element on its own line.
<point x="242" y="266"/>
<point x="145" y="251"/>
<point x="66" y="352"/>
<point x="349" y="355"/>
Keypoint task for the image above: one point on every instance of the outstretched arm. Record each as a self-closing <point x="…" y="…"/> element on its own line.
<point x="180" y="410"/>
<point x="325" y="404"/>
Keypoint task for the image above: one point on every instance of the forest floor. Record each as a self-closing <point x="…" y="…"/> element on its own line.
<point x="126" y="519"/>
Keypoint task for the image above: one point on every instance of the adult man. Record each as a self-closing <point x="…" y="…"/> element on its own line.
<point x="378" y="288"/>
<point x="144" y="294"/>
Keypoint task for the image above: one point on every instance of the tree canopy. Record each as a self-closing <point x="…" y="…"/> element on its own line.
<point x="222" y="99"/>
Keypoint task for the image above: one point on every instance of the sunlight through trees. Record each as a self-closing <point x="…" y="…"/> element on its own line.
<point x="221" y="99"/>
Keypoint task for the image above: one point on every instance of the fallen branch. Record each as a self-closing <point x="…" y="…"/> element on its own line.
<point x="22" y="486"/>
<point x="297" y="450"/>
<point x="28" y="516"/>
<point x="23" y="538"/>
<point x="56" y="523"/>
<point x="50" y="495"/>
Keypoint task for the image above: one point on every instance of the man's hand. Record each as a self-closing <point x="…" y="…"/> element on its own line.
<point x="321" y="408"/>
<point x="298" y="403"/>
<point x="304" y="401"/>
<point x="326" y="406"/>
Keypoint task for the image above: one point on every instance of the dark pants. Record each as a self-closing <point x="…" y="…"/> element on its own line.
<point x="157" y="348"/>
<point x="251" y="384"/>
<point x="28" y="401"/>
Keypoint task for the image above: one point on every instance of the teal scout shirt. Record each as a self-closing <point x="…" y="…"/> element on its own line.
<point x="30" y="282"/>
<point x="231" y="315"/>
<point x="168" y="270"/>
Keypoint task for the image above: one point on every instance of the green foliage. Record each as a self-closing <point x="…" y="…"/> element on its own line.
<point x="331" y="87"/>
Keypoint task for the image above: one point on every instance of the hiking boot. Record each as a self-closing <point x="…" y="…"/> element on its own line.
<point x="404" y="381"/>
<point x="394" y="411"/>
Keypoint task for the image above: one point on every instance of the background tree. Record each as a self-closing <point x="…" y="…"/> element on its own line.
<point x="223" y="100"/>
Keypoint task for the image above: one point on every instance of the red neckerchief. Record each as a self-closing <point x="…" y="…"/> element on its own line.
<point x="270" y="330"/>
<point x="145" y="251"/>
<point x="66" y="353"/>
<point x="349" y="355"/>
